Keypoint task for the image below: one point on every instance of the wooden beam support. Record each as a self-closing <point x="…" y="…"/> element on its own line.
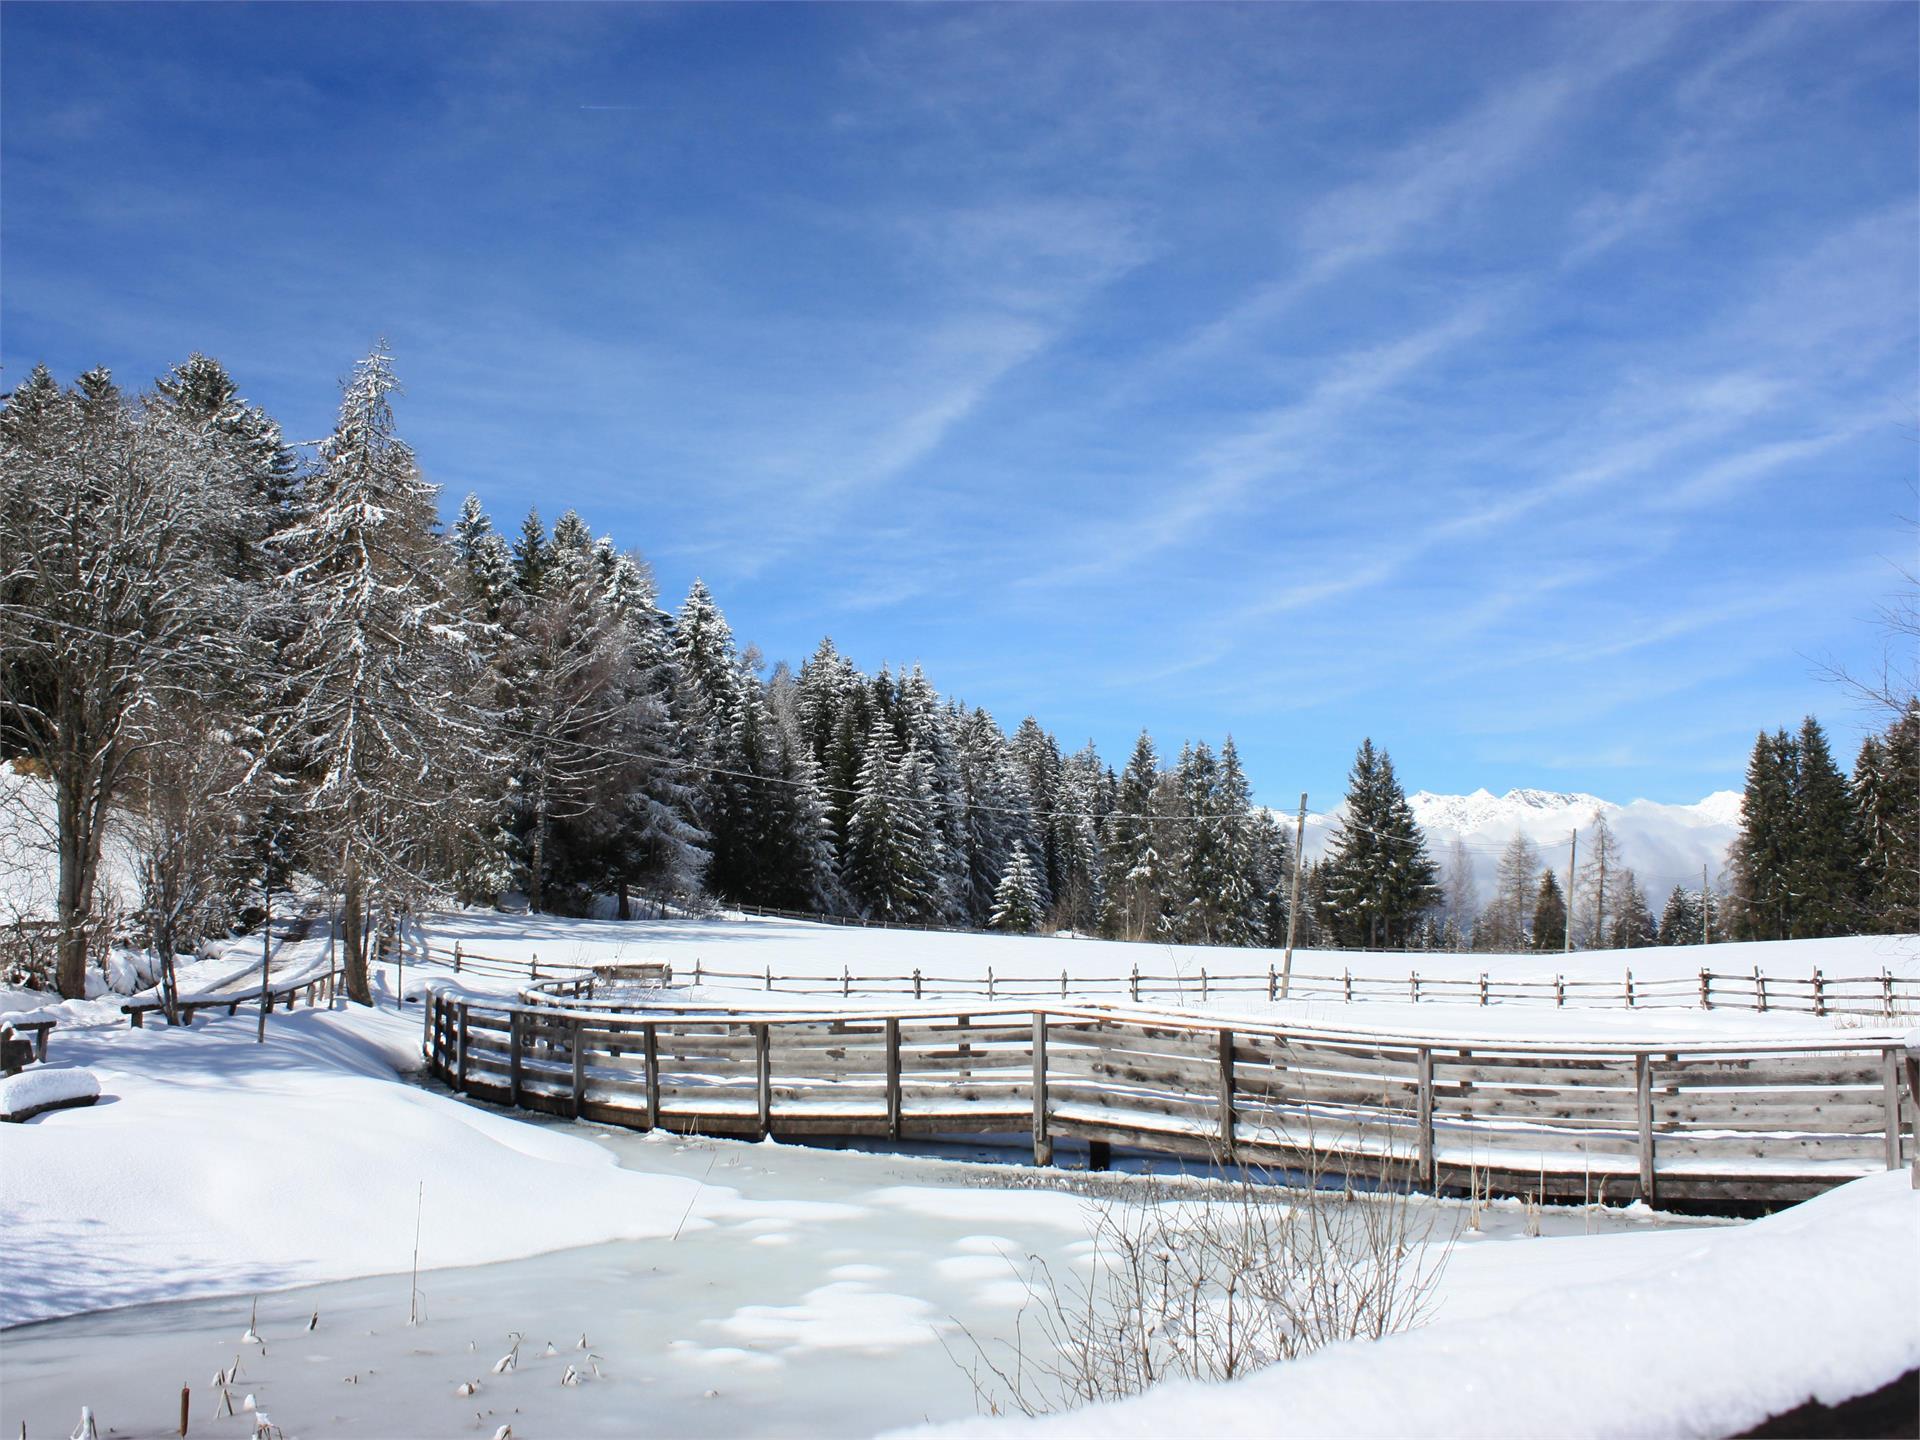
<point x="650" y="1042"/>
<point x="1424" y="1069"/>
<point x="1042" y="1141"/>
<point x="1643" y="1087"/>
<point x="763" y="1077"/>
<point x="1228" y="1145"/>
<point x="893" y="1077"/>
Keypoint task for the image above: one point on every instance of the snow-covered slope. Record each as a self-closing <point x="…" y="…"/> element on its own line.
<point x="1664" y="845"/>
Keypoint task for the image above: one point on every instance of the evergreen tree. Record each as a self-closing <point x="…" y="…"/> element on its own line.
<point x="1886" y="800"/>
<point x="1016" y="899"/>
<point x="1824" y="872"/>
<point x="886" y="870"/>
<point x="1136" y="889"/>
<point x="530" y="552"/>
<point x="1680" y="920"/>
<point x="1633" y="924"/>
<point x="1764" y="853"/>
<point x="1549" y="914"/>
<point x="1380" y="880"/>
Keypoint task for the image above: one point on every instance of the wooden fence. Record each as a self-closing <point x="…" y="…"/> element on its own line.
<point x="1719" y="1121"/>
<point x="314" y="986"/>
<point x="1886" y="996"/>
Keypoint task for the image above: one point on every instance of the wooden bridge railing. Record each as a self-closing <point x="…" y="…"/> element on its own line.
<point x="1771" y="1121"/>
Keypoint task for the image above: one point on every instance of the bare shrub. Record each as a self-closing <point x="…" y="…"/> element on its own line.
<point x="1211" y="1282"/>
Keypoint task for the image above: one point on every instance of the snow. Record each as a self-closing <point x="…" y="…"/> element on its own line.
<point x="45" y="1085"/>
<point x="1704" y="1335"/>
<point x="29" y="857"/>
<point x="732" y="1288"/>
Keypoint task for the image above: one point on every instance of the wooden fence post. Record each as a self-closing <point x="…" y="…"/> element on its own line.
<point x="513" y="1057"/>
<point x="1227" y="1131"/>
<point x="456" y="957"/>
<point x="846" y="982"/>
<point x="763" y="1077"/>
<point x="1560" y="991"/>
<point x="989" y="982"/>
<point x="650" y="1045"/>
<point x="1203" y="984"/>
<point x="1890" y="1082"/>
<point x="1042" y="1141"/>
<point x="1273" y="984"/>
<point x="460" y="1081"/>
<point x="1133" y="984"/>
<point x="1643" y="1098"/>
<point x="579" y="1073"/>
<point x="1346" y="983"/>
<point x="1483" y="987"/>
<point x="426" y="1022"/>
<point x="1819" y="992"/>
<point x="1886" y="999"/>
<point x="893" y="1077"/>
<point x="533" y="966"/>
<point x="769" y="984"/>
<point x="1424" y="1071"/>
<point x="916" y="982"/>
<point x="1629" y="988"/>
<point x="1759" y="990"/>
<point x="1706" y="988"/>
<point x="1413" y="985"/>
<point x="1063" y="984"/>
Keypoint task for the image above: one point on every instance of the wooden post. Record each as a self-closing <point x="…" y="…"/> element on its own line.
<point x="1759" y="989"/>
<point x="1819" y="992"/>
<point x="1042" y="1141"/>
<point x="1063" y="984"/>
<point x="1227" y="1130"/>
<point x="650" y="1044"/>
<point x="916" y="982"/>
<point x="1643" y="1087"/>
<point x="579" y="1073"/>
<point x="1424" y="1071"/>
<point x="266" y="956"/>
<point x="1706" y="988"/>
<point x="1273" y="984"/>
<point x="1203" y="984"/>
<point x="1346" y="984"/>
<point x="1413" y="985"/>
<point x="426" y="1023"/>
<point x="1483" y="987"/>
<point x="456" y="957"/>
<point x="1629" y="988"/>
<point x="893" y="1077"/>
<point x="846" y="982"/>
<point x="989" y="982"/>
<point x="514" y="1043"/>
<point x="1886" y="993"/>
<point x="1913" y="1094"/>
<point x="1890" y="1075"/>
<point x="1133" y="984"/>
<point x="533" y="966"/>
<point x="460" y="1066"/>
<point x="763" y="1077"/>
<point x="769" y="984"/>
<point x="1293" y="902"/>
<point x="1560" y="992"/>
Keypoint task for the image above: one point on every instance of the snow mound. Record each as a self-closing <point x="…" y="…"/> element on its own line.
<point x="1818" y="1302"/>
<point x="42" y="1086"/>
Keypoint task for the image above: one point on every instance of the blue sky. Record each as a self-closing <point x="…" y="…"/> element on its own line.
<point x="1532" y="388"/>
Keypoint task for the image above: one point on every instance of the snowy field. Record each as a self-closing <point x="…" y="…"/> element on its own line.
<point x="727" y="1288"/>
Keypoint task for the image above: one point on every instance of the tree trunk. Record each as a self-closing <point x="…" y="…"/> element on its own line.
<point x="79" y="846"/>
<point x="354" y="941"/>
<point x="626" y="902"/>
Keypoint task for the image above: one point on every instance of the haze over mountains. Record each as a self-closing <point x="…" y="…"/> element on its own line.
<point x="1664" y="845"/>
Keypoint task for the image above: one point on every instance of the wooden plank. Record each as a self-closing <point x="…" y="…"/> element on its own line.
<point x="1224" y="1102"/>
<point x="514" y="1047"/>
<point x="1643" y="1080"/>
<point x="893" y="1078"/>
<point x="650" y="1043"/>
<point x="763" y="1076"/>
<point x="1425" y="1102"/>
<point x="1042" y="1142"/>
<point x="579" y="1073"/>
<point x="1890" y="1102"/>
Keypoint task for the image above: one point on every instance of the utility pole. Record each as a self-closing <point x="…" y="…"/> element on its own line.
<point x="1573" y="853"/>
<point x="1706" y="910"/>
<point x="1600" y="904"/>
<point x="1293" y="905"/>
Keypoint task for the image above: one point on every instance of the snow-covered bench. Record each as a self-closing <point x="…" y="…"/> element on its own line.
<point x="47" y="1088"/>
<point x="23" y="1038"/>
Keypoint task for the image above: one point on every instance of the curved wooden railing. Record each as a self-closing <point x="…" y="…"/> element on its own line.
<point x="1668" y="1121"/>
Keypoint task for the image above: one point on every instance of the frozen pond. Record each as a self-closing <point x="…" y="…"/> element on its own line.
<point x="766" y="1316"/>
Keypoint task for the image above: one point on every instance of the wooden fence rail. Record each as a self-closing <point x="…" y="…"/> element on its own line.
<point x="1709" y="1121"/>
<point x="1885" y="996"/>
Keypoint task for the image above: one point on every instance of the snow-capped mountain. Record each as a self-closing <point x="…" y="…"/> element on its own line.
<point x="1664" y="845"/>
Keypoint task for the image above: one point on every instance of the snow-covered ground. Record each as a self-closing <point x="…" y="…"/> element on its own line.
<point x="215" y="1167"/>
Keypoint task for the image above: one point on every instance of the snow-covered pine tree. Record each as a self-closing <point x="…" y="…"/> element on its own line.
<point x="1077" y="829"/>
<point x="1549" y="914"/>
<point x="885" y="867"/>
<point x="1633" y="923"/>
<point x="1763" y="853"/>
<point x="1038" y="755"/>
<point x="1680" y="920"/>
<point x="1886" y="800"/>
<point x="1824" y="872"/>
<point x="530" y="552"/>
<point x="384" y="716"/>
<point x="1380" y="879"/>
<point x="1137" y="871"/>
<point x="1016" y="899"/>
